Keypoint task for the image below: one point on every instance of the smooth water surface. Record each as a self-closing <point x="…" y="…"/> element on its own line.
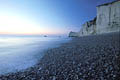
<point x="17" y="53"/>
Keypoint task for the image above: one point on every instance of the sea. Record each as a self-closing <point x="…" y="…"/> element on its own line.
<point x="18" y="53"/>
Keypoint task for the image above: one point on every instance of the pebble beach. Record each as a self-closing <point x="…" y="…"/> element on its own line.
<point x="95" y="57"/>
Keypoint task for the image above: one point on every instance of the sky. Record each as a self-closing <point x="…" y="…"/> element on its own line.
<point x="54" y="17"/>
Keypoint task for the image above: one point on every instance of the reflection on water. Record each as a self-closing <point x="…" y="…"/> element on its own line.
<point x="18" y="53"/>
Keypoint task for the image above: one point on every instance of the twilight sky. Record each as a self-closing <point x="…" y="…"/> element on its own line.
<point x="45" y="16"/>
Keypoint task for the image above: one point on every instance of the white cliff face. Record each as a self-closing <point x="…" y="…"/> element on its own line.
<point x="108" y="18"/>
<point x="73" y="34"/>
<point x="88" y="28"/>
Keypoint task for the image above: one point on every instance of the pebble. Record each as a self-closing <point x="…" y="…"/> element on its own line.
<point x="85" y="58"/>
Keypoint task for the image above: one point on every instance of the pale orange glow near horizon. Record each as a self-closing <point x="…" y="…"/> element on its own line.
<point x="19" y="25"/>
<point x="33" y="33"/>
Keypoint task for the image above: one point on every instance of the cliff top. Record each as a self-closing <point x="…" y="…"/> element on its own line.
<point x="108" y="3"/>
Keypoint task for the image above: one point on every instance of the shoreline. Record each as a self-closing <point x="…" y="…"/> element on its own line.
<point x="20" y="53"/>
<point x="86" y="58"/>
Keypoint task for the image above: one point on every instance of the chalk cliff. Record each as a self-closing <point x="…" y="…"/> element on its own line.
<point x="108" y="17"/>
<point x="107" y="20"/>
<point x="88" y="28"/>
<point x="73" y="34"/>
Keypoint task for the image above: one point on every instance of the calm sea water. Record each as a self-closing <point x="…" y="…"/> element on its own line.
<point x="17" y="53"/>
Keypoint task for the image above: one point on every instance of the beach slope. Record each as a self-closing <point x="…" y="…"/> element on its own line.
<point x="85" y="58"/>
